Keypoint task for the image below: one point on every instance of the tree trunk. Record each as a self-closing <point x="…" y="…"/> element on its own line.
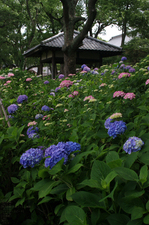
<point x="69" y="63"/>
<point x="72" y="44"/>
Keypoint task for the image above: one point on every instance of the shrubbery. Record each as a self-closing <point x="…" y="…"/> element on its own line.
<point x="83" y="143"/>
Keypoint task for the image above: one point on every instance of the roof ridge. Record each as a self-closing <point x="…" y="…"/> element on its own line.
<point x="51" y="38"/>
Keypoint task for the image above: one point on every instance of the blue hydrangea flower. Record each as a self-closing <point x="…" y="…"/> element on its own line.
<point x="31" y="157"/>
<point x="72" y="147"/>
<point x="12" y="108"/>
<point x="33" y="135"/>
<point x="61" y="76"/>
<point x="127" y="67"/>
<point x="38" y="116"/>
<point x="117" y="127"/>
<point x="56" y="89"/>
<point x="56" y="157"/>
<point x="133" y="144"/>
<point x="86" y="68"/>
<point x="46" y="82"/>
<point x="122" y="66"/>
<point x="22" y="98"/>
<point x="82" y="67"/>
<point x="148" y="68"/>
<point x="108" y="123"/>
<point x="113" y="72"/>
<point x="102" y="74"/>
<point x="131" y="70"/>
<point x="123" y="58"/>
<point x="32" y="130"/>
<point x="52" y="93"/>
<point x="50" y="150"/>
<point x="59" y="151"/>
<point x="45" y="108"/>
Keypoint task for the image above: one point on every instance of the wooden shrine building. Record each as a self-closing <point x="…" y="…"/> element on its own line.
<point x="90" y="52"/>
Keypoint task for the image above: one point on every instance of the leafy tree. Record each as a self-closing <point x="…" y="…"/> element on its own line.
<point x="69" y="20"/>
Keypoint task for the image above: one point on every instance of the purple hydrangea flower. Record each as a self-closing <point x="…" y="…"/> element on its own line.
<point x="148" y="68"/>
<point x="22" y="98"/>
<point x="38" y="116"/>
<point x="117" y="127"/>
<point x="123" y="58"/>
<point x="33" y="135"/>
<point x="108" y="123"/>
<point x="46" y="82"/>
<point x="86" y="68"/>
<point x="113" y="72"/>
<point x="32" y="130"/>
<point x="45" y="108"/>
<point x="56" y="89"/>
<point x="12" y="108"/>
<point x="133" y="144"/>
<point x="52" y="93"/>
<point x="122" y="66"/>
<point x="56" y="157"/>
<point x="127" y="67"/>
<point x="31" y="157"/>
<point x="59" y="151"/>
<point x="94" y="72"/>
<point x="131" y="70"/>
<point x="61" y="76"/>
<point x="82" y="67"/>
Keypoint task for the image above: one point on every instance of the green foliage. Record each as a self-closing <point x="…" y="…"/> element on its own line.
<point x="101" y="183"/>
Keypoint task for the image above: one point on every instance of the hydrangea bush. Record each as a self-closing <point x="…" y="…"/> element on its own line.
<point x="81" y="159"/>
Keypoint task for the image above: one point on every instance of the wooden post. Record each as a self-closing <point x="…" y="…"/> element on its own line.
<point x="53" y="65"/>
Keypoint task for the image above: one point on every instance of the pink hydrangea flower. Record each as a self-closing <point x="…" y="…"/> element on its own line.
<point x="118" y="94"/>
<point x="2" y="78"/>
<point x="5" y="84"/>
<point x="10" y="75"/>
<point x="70" y="96"/>
<point x="88" y="97"/>
<point x="103" y="84"/>
<point x="66" y="110"/>
<point x="130" y="96"/>
<point x="147" y="82"/>
<point x="83" y="71"/>
<point x="8" y="81"/>
<point x="29" y="79"/>
<point x="115" y="115"/>
<point x="75" y="93"/>
<point x="124" y="75"/>
<point x="71" y="75"/>
<point x="46" y="117"/>
<point x="32" y="123"/>
<point x="66" y="83"/>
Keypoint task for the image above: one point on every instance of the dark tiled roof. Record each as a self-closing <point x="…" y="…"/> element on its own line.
<point x="89" y="43"/>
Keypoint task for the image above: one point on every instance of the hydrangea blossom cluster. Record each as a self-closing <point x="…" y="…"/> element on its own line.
<point x="31" y="157"/>
<point x="29" y="79"/>
<point x="74" y="93"/>
<point x="12" y="108"/>
<point x="108" y="123"/>
<point x="123" y="58"/>
<point x="61" y="76"/>
<point x="113" y="72"/>
<point x="57" y="88"/>
<point x="66" y="83"/>
<point x="22" y="98"/>
<point x="86" y="68"/>
<point x="59" y="151"/>
<point x="147" y="82"/>
<point x="131" y="70"/>
<point x="148" y="68"/>
<point x="32" y="123"/>
<point x="117" y="127"/>
<point x="124" y="75"/>
<point x="46" y="82"/>
<point x="45" y="108"/>
<point x="129" y="96"/>
<point x="118" y="94"/>
<point x="133" y="144"/>
<point x="32" y="132"/>
<point x="38" y="116"/>
<point x="103" y="84"/>
<point x="84" y="65"/>
<point x="88" y="97"/>
<point x="115" y="115"/>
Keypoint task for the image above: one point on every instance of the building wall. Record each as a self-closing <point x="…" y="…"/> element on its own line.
<point x="117" y="40"/>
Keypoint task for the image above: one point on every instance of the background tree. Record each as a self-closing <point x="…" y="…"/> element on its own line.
<point x="71" y="44"/>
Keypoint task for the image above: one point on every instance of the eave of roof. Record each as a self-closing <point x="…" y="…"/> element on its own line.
<point x="88" y="44"/>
